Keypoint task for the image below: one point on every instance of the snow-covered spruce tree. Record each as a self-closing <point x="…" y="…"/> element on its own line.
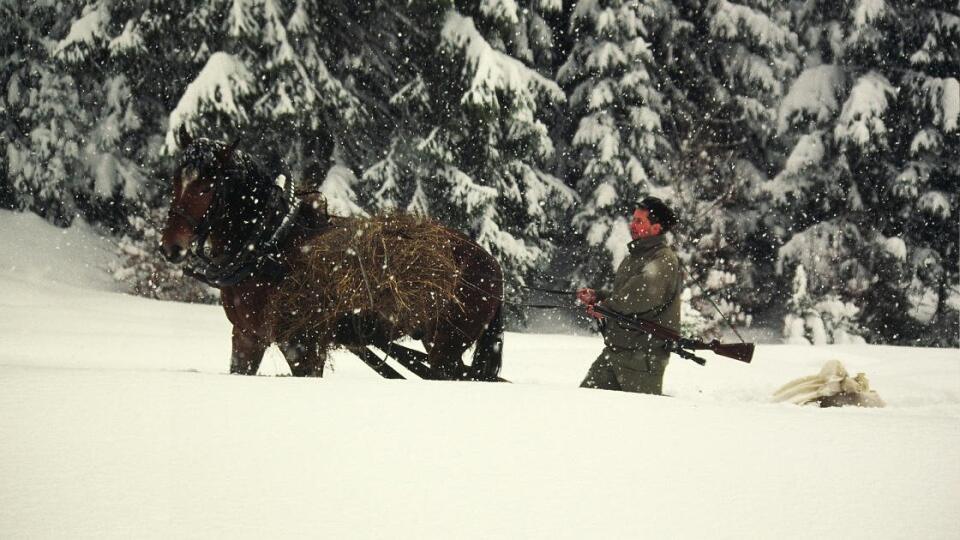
<point x="618" y="144"/>
<point x="257" y="71"/>
<point x="82" y="150"/>
<point x="44" y="123"/>
<point x="394" y="178"/>
<point x="112" y="66"/>
<point x="114" y="148"/>
<point x="723" y="65"/>
<point x="302" y="96"/>
<point x="872" y="174"/>
<point x="273" y="75"/>
<point x="392" y="77"/>
<point x="471" y="149"/>
<point x="500" y="147"/>
<point x="141" y="54"/>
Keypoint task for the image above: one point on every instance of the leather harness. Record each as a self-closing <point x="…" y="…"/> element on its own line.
<point x="259" y="253"/>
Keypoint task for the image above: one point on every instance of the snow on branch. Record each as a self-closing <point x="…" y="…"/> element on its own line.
<point x="756" y="70"/>
<point x="604" y="196"/>
<point x="808" y="152"/>
<point x="862" y="116"/>
<point x="128" y="40"/>
<point x="502" y="11"/>
<point x="464" y="190"/>
<point x="276" y="34"/>
<point x="240" y="21"/>
<point x="513" y="252"/>
<point x="299" y="21"/>
<point x="944" y="101"/>
<point x="542" y="189"/>
<point x="813" y="96"/>
<point x="493" y="71"/>
<point x="926" y="140"/>
<point x="606" y="57"/>
<point x="337" y="187"/>
<point x="549" y="6"/>
<point x="221" y="82"/>
<point x="730" y="20"/>
<point x="936" y="203"/>
<point x="868" y="12"/>
<point x="599" y="132"/>
<point x="84" y="33"/>
<point x="826" y="249"/>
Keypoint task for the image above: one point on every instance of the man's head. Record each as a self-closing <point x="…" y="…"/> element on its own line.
<point x="651" y="217"/>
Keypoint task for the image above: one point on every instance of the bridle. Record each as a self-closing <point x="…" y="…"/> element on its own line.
<point x="256" y="254"/>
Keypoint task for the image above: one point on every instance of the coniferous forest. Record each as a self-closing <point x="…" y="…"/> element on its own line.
<point x="811" y="147"/>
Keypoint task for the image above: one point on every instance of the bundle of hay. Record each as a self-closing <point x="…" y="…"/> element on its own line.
<point x="397" y="266"/>
<point x="832" y="387"/>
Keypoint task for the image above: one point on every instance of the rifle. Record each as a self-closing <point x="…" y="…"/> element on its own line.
<point x="678" y="344"/>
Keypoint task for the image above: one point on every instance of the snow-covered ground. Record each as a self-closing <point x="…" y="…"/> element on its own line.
<point x="117" y="421"/>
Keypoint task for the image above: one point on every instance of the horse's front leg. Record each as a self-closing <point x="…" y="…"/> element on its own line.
<point x="305" y="357"/>
<point x="247" y="353"/>
<point x="444" y="354"/>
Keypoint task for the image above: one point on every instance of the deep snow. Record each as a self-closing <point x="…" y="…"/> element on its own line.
<point x="116" y="421"/>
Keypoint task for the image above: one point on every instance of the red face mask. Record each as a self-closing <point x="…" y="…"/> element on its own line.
<point x="640" y="226"/>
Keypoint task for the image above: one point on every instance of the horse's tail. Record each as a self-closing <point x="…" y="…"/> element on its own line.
<point x="488" y="354"/>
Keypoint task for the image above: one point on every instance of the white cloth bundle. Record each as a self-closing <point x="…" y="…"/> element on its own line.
<point x="832" y="387"/>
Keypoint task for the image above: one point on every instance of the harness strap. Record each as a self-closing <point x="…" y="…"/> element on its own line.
<point x="246" y="261"/>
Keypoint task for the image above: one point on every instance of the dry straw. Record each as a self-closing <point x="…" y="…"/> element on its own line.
<point x="398" y="266"/>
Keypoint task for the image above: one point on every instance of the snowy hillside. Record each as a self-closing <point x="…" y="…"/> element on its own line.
<point x="117" y="421"/>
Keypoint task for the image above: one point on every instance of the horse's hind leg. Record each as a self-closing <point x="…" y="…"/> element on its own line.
<point x="304" y="356"/>
<point x="247" y="352"/>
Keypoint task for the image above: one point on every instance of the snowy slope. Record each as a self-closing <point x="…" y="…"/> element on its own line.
<point x="116" y="421"/>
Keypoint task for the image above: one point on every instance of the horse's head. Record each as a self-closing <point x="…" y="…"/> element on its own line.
<point x="200" y="181"/>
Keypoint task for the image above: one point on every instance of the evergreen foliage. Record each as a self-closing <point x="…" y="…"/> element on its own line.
<point x="725" y="64"/>
<point x="809" y="139"/>
<point x="42" y="121"/>
<point x="471" y="147"/>
<point x="870" y="187"/>
<point x="618" y="143"/>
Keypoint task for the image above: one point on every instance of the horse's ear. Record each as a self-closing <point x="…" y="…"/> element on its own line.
<point x="183" y="137"/>
<point x="224" y="154"/>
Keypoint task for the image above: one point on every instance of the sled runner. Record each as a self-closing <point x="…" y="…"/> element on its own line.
<point x="413" y="360"/>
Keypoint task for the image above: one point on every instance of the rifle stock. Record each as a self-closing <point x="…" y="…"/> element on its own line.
<point x="738" y="351"/>
<point x="742" y="352"/>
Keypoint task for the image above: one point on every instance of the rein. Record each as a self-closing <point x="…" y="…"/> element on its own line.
<point x="544" y="306"/>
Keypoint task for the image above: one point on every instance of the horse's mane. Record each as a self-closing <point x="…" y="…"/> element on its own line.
<point x="238" y="167"/>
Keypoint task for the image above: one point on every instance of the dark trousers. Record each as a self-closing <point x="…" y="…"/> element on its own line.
<point x="628" y="370"/>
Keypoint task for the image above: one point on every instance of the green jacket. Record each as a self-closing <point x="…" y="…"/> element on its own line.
<point x="647" y="284"/>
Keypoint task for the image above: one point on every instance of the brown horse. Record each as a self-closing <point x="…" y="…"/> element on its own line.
<point x="237" y="230"/>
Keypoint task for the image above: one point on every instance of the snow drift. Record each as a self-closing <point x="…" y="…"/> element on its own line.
<point x="117" y="421"/>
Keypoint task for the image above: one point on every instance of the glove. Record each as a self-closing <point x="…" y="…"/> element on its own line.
<point x="591" y="312"/>
<point x="587" y="296"/>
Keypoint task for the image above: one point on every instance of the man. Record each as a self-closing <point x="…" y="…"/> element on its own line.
<point x="647" y="285"/>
